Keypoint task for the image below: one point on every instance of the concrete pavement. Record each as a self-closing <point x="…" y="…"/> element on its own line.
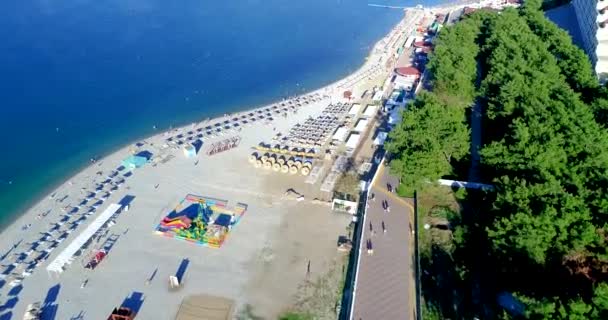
<point x="385" y="280"/>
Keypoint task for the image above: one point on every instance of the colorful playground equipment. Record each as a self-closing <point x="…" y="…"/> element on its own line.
<point x="201" y="220"/>
<point x="181" y="222"/>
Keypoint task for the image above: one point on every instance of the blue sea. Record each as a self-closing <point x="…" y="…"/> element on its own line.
<point x="80" y="78"/>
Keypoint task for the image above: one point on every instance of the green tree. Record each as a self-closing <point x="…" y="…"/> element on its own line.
<point x="428" y="138"/>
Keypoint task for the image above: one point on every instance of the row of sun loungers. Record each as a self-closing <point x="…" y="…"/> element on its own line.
<point x="23" y="263"/>
<point x="237" y="122"/>
<point x="315" y="132"/>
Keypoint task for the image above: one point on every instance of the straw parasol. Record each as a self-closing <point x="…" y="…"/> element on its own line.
<point x="267" y="165"/>
<point x="284" y="168"/>
<point x="305" y="171"/>
<point x="276" y="167"/>
<point x="293" y="170"/>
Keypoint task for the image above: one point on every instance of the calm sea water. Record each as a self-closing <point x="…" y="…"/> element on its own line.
<point x="80" y="78"/>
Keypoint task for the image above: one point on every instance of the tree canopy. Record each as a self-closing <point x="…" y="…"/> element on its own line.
<point x="545" y="148"/>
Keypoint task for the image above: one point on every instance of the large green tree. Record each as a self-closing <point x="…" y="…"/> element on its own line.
<point x="430" y="136"/>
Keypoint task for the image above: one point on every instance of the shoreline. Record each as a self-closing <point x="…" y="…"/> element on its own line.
<point x="13" y="219"/>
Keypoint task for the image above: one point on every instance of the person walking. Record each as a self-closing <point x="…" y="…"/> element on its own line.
<point x="383" y="227"/>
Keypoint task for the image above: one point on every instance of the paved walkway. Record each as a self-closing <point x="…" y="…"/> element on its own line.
<point x="385" y="283"/>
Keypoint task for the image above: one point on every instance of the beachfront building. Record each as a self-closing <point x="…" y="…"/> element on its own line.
<point x="370" y="111"/>
<point x="340" y="134"/>
<point x="354" y="110"/>
<point x="405" y="78"/>
<point x="592" y="16"/>
<point x="361" y="125"/>
<point x="353" y="141"/>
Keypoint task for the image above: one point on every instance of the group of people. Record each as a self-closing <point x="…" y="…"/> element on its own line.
<point x="386" y="207"/>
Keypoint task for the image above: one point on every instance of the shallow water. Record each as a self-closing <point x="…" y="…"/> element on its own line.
<point x="81" y="78"/>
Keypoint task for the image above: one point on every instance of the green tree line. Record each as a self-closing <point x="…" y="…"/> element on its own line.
<point x="545" y="148"/>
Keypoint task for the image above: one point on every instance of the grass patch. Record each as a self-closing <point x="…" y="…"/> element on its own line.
<point x="320" y="298"/>
<point x="440" y="210"/>
<point x="295" y="316"/>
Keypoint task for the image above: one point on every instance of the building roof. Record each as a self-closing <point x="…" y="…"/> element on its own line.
<point x="361" y="125"/>
<point x="354" y="110"/>
<point x="353" y="141"/>
<point x="370" y="110"/>
<point x="407" y="71"/>
<point x="468" y="10"/>
<point x="340" y="134"/>
<point x="65" y="257"/>
<point x="419" y="44"/>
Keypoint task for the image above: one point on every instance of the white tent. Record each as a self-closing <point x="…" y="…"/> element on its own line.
<point x="380" y="138"/>
<point x="340" y="134"/>
<point x="353" y="141"/>
<point x="361" y="125"/>
<point x="354" y="110"/>
<point x="65" y="257"/>
<point x="370" y="110"/>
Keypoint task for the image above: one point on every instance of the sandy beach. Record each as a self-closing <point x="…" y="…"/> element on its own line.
<point x="279" y="244"/>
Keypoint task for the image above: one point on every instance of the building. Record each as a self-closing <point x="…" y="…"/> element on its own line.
<point x="592" y="16"/>
<point x="406" y="77"/>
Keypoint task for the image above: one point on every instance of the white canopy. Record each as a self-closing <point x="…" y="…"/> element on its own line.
<point x="354" y="110"/>
<point x="361" y="125"/>
<point x="395" y="116"/>
<point x="353" y="141"/>
<point x="378" y="95"/>
<point x="65" y="257"/>
<point x="340" y="134"/>
<point x="370" y="110"/>
<point x="380" y="138"/>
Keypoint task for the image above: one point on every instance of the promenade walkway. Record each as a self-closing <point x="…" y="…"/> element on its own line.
<point x="384" y="285"/>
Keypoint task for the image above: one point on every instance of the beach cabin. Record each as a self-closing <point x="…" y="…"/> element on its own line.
<point x="361" y="125"/>
<point x="134" y="162"/>
<point x="189" y="151"/>
<point x="340" y="134"/>
<point x="370" y="111"/>
<point x="353" y="141"/>
<point x="354" y="110"/>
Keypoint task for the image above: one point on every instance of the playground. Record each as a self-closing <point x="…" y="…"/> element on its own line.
<point x="201" y="220"/>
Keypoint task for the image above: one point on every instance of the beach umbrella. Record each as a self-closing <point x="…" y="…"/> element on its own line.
<point x="293" y="170"/>
<point x="267" y="165"/>
<point x="276" y="167"/>
<point x="253" y="157"/>
<point x="284" y="168"/>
